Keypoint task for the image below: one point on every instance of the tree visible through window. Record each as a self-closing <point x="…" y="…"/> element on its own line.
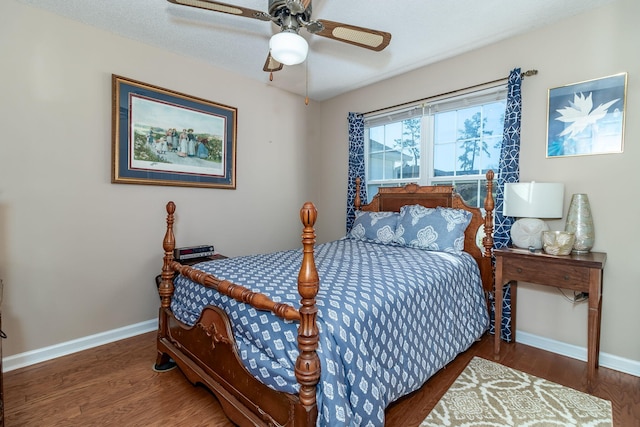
<point x="410" y="142"/>
<point x="472" y="142"/>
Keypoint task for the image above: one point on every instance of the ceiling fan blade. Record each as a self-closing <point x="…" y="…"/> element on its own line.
<point x="224" y="8"/>
<point x="271" y="65"/>
<point x="358" y="36"/>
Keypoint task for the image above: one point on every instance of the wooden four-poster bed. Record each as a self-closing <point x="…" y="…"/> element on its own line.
<point x="208" y="344"/>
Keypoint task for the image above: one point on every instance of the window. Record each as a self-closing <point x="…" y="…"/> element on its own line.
<point x="452" y="141"/>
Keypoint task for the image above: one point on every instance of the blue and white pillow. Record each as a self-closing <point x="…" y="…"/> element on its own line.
<point x="378" y="227"/>
<point x="434" y="229"/>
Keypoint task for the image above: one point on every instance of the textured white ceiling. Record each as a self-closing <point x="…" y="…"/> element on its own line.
<point x="423" y="32"/>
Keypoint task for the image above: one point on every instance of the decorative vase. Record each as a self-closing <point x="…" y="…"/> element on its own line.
<point x="580" y="222"/>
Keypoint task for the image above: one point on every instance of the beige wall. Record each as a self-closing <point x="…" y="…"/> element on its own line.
<point x="592" y="45"/>
<point x="78" y="255"/>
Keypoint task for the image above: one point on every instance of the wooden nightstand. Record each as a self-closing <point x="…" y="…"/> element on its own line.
<point x="580" y="273"/>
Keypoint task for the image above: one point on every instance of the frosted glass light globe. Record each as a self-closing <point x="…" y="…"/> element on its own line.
<point x="288" y="48"/>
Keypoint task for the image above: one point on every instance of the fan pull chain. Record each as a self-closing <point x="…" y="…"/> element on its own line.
<point x="306" y="71"/>
<point x="271" y="76"/>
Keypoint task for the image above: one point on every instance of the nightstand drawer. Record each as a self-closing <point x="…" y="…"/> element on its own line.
<point x="546" y="273"/>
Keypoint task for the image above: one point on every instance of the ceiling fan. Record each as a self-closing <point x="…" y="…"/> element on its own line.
<point x="287" y="47"/>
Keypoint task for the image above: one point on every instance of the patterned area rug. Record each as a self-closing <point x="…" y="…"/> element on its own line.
<point x="489" y="394"/>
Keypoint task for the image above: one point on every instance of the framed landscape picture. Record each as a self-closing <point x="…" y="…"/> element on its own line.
<point x="587" y="118"/>
<point x="163" y="137"/>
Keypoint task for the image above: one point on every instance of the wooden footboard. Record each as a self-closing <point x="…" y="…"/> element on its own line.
<point x="206" y="352"/>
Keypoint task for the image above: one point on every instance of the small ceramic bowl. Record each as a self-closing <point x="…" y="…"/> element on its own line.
<point x="558" y="242"/>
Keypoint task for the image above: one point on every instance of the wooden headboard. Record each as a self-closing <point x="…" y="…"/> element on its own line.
<point x="478" y="240"/>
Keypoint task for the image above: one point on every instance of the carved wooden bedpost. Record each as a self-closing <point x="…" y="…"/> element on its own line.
<point x="169" y="243"/>
<point x="308" y="364"/>
<point x="165" y="290"/>
<point x="487" y="240"/>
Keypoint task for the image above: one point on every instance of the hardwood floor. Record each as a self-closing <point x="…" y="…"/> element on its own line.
<point x="114" y="385"/>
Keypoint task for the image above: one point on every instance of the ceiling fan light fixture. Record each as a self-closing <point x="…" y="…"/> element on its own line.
<point x="288" y="47"/>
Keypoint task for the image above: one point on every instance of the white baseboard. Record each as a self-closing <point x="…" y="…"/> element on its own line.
<point x="47" y="353"/>
<point x="610" y="361"/>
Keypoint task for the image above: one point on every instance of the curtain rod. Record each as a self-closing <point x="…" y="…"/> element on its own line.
<point x="527" y="73"/>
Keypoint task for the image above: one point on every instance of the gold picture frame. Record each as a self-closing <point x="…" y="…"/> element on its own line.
<point x="164" y="137"/>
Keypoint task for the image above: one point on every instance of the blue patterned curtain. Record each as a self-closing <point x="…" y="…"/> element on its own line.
<point x="508" y="171"/>
<point x="356" y="164"/>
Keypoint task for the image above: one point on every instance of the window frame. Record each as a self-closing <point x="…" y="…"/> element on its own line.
<point x="427" y="112"/>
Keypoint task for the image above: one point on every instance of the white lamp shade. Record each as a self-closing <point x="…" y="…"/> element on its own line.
<point x="533" y="199"/>
<point x="288" y="48"/>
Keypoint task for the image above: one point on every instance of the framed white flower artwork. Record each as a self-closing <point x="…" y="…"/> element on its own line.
<point x="587" y="118"/>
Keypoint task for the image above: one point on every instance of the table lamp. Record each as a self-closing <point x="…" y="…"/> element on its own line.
<point x="529" y="202"/>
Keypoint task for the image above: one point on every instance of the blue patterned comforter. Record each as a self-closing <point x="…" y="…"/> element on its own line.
<point x="389" y="318"/>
